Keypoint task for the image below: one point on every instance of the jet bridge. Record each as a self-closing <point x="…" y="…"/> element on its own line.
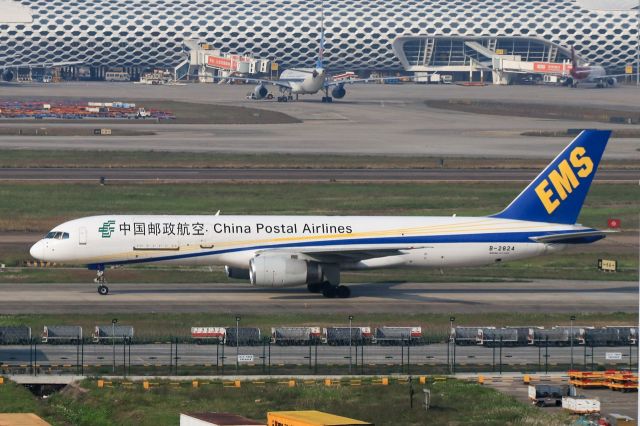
<point x="210" y="62"/>
<point x="504" y="57"/>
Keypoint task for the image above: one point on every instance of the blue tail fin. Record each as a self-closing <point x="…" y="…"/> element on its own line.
<point x="556" y="195"/>
<point x="319" y="61"/>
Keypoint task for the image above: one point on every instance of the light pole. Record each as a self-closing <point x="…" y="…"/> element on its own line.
<point x="113" y="341"/>
<point x="573" y="318"/>
<point x="350" y="338"/>
<point x="451" y="321"/>
<point x="638" y="46"/>
<point x="237" y="343"/>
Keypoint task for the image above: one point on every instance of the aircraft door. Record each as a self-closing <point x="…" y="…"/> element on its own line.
<point x="82" y="236"/>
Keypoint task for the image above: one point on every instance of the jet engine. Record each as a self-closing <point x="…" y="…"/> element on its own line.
<point x="236" y="273"/>
<point x="260" y="91"/>
<point x="611" y="81"/>
<point x="339" y="91"/>
<point x="7" y="75"/>
<point x="280" y="270"/>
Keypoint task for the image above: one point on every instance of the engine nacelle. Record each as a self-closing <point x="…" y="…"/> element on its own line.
<point x="7" y="75"/>
<point x="237" y="273"/>
<point x="339" y="91"/>
<point x="260" y="91"/>
<point x="611" y="81"/>
<point x="280" y="270"/>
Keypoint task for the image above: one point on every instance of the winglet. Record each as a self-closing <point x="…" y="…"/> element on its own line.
<point x="556" y="195"/>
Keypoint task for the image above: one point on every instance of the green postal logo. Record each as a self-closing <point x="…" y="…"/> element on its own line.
<point x="107" y="228"/>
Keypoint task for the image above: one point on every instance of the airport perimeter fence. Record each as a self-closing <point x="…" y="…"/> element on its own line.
<point x="175" y="358"/>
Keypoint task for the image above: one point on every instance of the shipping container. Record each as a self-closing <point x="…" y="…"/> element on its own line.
<point x="581" y="404"/>
<point x="310" y="418"/>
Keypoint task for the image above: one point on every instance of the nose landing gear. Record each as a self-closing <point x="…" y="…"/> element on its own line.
<point x="101" y="280"/>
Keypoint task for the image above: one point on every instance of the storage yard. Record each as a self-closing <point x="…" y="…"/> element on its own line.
<point x="69" y="110"/>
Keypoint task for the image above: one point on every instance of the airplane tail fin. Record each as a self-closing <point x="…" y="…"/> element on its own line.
<point x="319" y="61"/>
<point x="556" y="195"/>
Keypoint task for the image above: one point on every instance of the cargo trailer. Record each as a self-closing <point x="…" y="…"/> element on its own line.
<point x="61" y="333"/>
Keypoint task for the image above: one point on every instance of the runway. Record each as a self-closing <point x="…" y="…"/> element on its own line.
<point x="528" y="296"/>
<point x="288" y="175"/>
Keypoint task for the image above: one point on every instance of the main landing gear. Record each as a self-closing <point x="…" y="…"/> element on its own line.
<point x="101" y="280"/>
<point x="327" y="98"/>
<point x="329" y="290"/>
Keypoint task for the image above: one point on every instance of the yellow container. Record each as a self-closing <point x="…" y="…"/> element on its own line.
<point x="423" y="380"/>
<point x="100" y="383"/>
<point x="310" y="418"/>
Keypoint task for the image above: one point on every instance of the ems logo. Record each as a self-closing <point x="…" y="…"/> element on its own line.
<point x="107" y="228"/>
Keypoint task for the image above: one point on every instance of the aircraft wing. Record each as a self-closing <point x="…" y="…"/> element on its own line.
<point x="41" y="64"/>
<point x="603" y="77"/>
<point x="331" y="255"/>
<point x="571" y="237"/>
<point x="278" y="83"/>
<point x="364" y="80"/>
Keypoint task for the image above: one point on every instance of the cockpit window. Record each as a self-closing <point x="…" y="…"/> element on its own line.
<point x="57" y="236"/>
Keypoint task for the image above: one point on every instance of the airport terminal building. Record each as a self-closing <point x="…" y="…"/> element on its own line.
<point x="359" y="33"/>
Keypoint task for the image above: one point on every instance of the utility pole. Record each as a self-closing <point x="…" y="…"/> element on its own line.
<point x="350" y="341"/>
<point x="113" y="342"/>
<point x="237" y="343"/>
<point x="573" y="318"/>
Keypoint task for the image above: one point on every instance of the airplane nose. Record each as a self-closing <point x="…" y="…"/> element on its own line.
<point x="37" y="250"/>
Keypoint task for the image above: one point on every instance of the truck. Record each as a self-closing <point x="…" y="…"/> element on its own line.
<point x="495" y="337"/>
<point x="543" y="395"/>
<point x="61" y="333"/>
<point x="208" y="334"/>
<point x="339" y="336"/>
<point x="242" y="336"/>
<point x="466" y="336"/>
<point x="15" y="334"/>
<point x="398" y="335"/>
<point x="108" y="333"/>
<point x="295" y="336"/>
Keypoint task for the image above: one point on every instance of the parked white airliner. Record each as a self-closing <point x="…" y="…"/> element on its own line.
<point x="283" y="251"/>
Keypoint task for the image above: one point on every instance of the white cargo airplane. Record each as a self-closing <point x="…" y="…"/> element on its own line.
<point x="284" y="251"/>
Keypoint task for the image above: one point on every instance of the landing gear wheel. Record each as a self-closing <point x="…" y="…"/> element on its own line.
<point x="343" y="292"/>
<point x="103" y="290"/>
<point x="290" y="98"/>
<point x="329" y="291"/>
<point x="314" y="288"/>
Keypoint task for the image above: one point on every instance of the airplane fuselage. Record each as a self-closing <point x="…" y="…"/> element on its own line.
<point x="234" y="240"/>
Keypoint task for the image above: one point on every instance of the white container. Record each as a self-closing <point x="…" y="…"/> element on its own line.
<point x="581" y="404"/>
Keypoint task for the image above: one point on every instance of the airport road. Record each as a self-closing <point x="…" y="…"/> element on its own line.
<point x="292" y="175"/>
<point x="482" y="297"/>
<point x="193" y="354"/>
<point x="372" y="119"/>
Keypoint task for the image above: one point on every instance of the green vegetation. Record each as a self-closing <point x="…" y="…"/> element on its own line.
<point x="453" y="402"/>
<point x="38" y="207"/>
<point x="162" y="326"/>
<point x="116" y="159"/>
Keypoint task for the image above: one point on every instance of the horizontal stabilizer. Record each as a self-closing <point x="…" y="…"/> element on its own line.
<point x="571" y="237"/>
